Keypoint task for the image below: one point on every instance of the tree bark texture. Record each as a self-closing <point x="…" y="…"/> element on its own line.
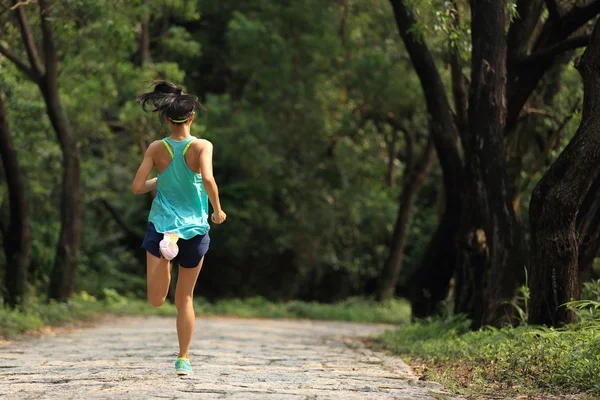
<point x="17" y="239"/>
<point x="413" y="182"/>
<point x="556" y="202"/>
<point x="430" y="283"/>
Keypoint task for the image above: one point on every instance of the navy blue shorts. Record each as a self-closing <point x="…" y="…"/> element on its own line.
<point x="191" y="250"/>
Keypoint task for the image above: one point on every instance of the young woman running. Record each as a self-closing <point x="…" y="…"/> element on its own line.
<point x="178" y="222"/>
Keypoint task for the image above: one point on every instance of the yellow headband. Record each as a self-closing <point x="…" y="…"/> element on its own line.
<point x="179" y="121"/>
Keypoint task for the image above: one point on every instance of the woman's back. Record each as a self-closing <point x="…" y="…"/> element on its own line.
<point x="181" y="204"/>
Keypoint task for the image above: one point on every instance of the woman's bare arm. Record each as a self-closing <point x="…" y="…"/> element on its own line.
<point x="140" y="183"/>
<point x="210" y="185"/>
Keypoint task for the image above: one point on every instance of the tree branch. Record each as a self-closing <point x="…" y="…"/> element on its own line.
<point x="20" y="63"/>
<point x="578" y="16"/>
<point x="48" y="42"/>
<point x="522" y="30"/>
<point x="15" y="6"/>
<point x="444" y="129"/>
<point x="22" y="3"/>
<point x="553" y="10"/>
<point x="409" y="151"/>
<point x="30" y="46"/>
<point x="556" y="49"/>
<point x="523" y="78"/>
<point x="528" y="112"/>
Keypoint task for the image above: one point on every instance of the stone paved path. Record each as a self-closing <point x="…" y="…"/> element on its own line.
<point x="233" y="359"/>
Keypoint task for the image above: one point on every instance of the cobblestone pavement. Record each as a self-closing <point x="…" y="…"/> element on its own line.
<point x="133" y="358"/>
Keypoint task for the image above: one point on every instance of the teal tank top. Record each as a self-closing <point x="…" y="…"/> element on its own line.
<point x="181" y="203"/>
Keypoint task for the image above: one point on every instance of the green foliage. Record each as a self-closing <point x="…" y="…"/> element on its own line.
<point x="519" y="360"/>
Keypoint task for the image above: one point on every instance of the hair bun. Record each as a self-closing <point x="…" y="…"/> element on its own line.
<point x="169" y="100"/>
<point x="167" y="88"/>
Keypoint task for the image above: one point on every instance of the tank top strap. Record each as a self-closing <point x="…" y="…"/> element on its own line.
<point x="168" y="146"/>
<point x="187" y="146"/>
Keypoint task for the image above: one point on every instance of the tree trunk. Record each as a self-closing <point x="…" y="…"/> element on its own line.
<point x="17" y="240"/>
<point x="428" y="290"/>
<point x="62" y="279"/>
<point x="390" y="173"/>
<point x="412" y="186"/>
<point x="491" y="224"/>
<point x="438" y="262"/>
<point x="556" y="202"/>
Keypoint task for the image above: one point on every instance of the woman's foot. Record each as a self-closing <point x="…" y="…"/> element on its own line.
<point x="183" y="366"/>
<point x="168" y="246"/>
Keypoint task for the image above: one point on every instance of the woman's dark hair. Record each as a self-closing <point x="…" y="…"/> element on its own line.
<point x="169" y="100"/>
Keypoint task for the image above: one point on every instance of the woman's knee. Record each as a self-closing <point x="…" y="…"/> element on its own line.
<point x="156" y="301"/>
<point x="183" y="300"/>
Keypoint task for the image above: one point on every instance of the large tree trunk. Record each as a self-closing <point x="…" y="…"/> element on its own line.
<point x="432" y="279"/>
<point x="62" y="280"/>
<point x="489" y="218"/>
<point x="17" y="240"/>
<point x="556" y="202"/>
<point x="412" y="185"/>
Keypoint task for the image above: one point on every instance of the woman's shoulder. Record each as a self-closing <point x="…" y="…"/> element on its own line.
<point x="201" y="144"/>
<point x="152" y="147"/>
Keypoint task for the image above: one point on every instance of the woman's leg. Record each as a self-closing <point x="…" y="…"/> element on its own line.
<point x="158" y="272"/>
<point x="184" y="300"/>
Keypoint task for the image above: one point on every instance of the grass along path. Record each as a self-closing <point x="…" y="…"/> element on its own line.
<point x="527" y="362"/>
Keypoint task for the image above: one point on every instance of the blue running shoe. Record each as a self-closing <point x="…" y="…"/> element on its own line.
<point x="183" y="366"/>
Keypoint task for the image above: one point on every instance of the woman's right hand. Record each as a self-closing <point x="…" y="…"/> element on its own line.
<point x="218" y="217"/>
